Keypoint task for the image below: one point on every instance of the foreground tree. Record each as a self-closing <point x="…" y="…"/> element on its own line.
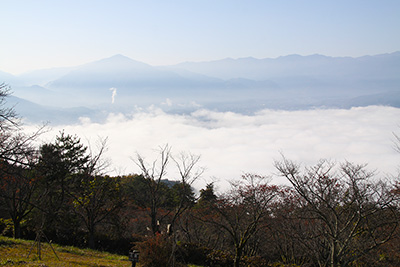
<point x="95" y="196"/>
<point x="17" y="189"/>
<point x="60" y="167"/>
<point x="189" y="172"/>
<point x="153" y="174"/>
<point x="17" y="156"/>
<point x="9" y="119"/>
<point x="97" y="199"/>
<point x="344" y="212"/>
<point x="242" y="212"/>
<point x="73" y="186"/>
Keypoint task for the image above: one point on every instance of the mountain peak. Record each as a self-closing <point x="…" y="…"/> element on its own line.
<point x="117" y="62"/>
<point x="119" y="57"/>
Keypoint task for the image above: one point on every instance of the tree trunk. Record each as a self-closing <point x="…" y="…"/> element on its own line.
<point x="91" y="240"/>
<point x="333" y="256"/>
<point x="17" y="228"/>
<point x="154" y="223"/>
<point x="238" y="256"/>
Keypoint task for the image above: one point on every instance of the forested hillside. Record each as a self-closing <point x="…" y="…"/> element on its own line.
<point x="329" y="214"/>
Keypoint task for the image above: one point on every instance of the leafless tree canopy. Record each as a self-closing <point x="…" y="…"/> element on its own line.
<point x="343" y="208"/>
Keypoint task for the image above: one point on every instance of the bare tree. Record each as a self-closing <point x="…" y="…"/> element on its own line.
<point x="347" y="213"/>
<point x="242" y="211"/>
<point x="18" y="154"/>
<point x="16" y="147"/>
<point x="17" y="189"/>
<point x="8" y="117"/>
<point x="97" y="199"/>
<point x="153" y="173"/>
<point x="98" y="164"/>
<point x="96" y="196"/>
<point x="189" y="172"/>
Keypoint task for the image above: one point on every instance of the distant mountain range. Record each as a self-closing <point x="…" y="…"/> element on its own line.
<point x="120" y="84"/>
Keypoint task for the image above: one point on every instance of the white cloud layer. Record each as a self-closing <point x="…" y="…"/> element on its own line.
<point x="231" y="144"/>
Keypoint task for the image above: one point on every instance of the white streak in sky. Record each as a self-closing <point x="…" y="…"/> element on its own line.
<point x="114" y="93"/>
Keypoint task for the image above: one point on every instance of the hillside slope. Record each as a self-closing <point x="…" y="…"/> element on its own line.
<point x="15" y="253"/>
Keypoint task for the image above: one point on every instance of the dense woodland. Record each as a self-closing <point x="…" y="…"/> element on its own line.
<point x="330" y="214"/>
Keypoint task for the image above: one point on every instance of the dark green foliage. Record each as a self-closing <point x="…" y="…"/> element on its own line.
<point x="182" y="194"/>
<point x="207" y="196"/>
<point x="137" y="188"/>
<point x="62" y="166"/>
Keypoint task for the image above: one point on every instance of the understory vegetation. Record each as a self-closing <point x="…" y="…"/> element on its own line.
<point x="329" y="214"/>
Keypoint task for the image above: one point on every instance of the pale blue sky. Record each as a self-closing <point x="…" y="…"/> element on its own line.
<point x="42" y="34"/>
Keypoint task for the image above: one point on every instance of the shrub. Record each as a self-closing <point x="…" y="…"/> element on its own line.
<point x="219" y="258"/>
<point x="6" y="227"/>
<point x="155" y="251"/>
<point x="254" y="261"/>
<point x="192" y="253"/>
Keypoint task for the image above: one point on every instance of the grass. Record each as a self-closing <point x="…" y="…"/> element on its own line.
<point x="15" y="252"/>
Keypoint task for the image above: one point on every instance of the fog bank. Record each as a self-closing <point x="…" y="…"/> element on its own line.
<point x="231" y="143"/>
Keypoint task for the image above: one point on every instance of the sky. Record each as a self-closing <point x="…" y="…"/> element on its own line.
<point x="45" y="33"/>
<point x="231" y="144"/>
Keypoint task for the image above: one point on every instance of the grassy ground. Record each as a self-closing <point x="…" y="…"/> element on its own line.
<point x="16" y="252"/>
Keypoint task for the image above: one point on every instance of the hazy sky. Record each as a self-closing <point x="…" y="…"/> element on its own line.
<point x="41" y="34"/>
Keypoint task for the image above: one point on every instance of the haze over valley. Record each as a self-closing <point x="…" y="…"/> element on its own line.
<point x="245" y="85"/>
<point x="239" y="114"/>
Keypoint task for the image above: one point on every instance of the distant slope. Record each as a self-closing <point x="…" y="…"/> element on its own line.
<point x="43" y="77"/>
<point x="385" y="66"/>
<point x="7" y="78"/>
<point x="133" y="80"/>
<point x="36" y="113"/>
<point x="120" y="84"/>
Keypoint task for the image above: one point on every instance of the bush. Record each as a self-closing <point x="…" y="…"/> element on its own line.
<point x="113" y="245"/>
<point x="155" y="251"/>
<point x="219" y="258"/>
<point x="197" y="254"/>
<point x="6" y="227"/>
<point x="254" y="261"/>
<point x="192" y="253"/>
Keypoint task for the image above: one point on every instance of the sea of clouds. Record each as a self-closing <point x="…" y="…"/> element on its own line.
<point x="231" y="144"/>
